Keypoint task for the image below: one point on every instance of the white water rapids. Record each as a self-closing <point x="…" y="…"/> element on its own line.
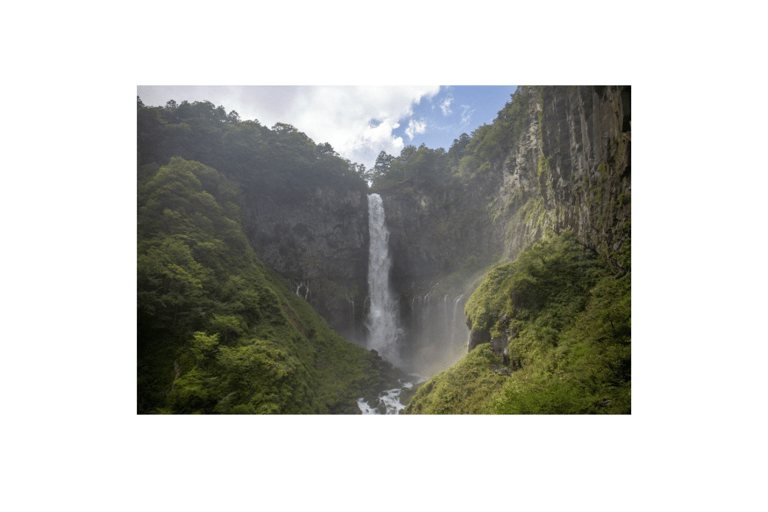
<point x="389" y="402"/>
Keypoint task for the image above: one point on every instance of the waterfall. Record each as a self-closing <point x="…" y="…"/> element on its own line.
<point x="382" y="315"/>
<point x="382" y="322"/>
<point x="455" y="311"/>
<point x="437" y="335"/>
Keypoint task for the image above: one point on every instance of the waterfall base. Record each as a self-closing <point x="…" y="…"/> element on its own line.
<point x="389" y="401"/>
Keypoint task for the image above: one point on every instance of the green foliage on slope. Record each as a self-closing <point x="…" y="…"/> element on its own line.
<point x="218" y="331"/>
<point x="492" y="142"/>
<point x="567" y="319"/>
<point x="464" y="388"/>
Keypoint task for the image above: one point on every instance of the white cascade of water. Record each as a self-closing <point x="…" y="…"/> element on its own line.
<point x="437" y="334"/>
<point x="382" y="317"/>
<point x="389" y="402"/>
<point x="455" y="311"/>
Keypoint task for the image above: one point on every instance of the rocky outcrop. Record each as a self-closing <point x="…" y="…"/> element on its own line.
<point x="320" y="245"/>
<point x="477" y="337"/>
<point x="570" y="170"/>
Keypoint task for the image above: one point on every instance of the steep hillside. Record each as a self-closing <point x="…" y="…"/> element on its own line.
<point x="218" y="330"/>
<point x="551" y="334"/>
<point x="304" y="209"/>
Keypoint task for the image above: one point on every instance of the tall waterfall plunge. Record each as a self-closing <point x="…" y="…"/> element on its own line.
<point x="433" y="334"/>
<point x="383" y="330"/>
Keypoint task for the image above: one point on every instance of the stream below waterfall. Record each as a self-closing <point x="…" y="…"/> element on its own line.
<point x="389" y="401"/>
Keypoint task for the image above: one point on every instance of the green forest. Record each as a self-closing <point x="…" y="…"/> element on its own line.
<point x="221" y="332"/>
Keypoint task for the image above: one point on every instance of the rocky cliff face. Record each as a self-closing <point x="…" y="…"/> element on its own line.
<point x="320" y="244"/>
<point x="417" y="243"/>
<point x="568" y="168"/>
<point x="435" y="234"/>
<point x="571" y="170"/>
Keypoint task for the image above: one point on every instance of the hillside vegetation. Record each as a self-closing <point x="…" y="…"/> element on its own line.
<point x="282" y="160"/>
<point x="218" y="331"/>
<point x="564" y="321"/>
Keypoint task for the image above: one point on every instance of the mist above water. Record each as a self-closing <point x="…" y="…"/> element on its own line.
<point x="436" y="333"/>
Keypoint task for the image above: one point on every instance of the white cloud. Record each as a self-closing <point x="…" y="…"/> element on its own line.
<point x="415" y="127"/>
<point x="342" y="116"/>
<point x="446" y="105"/>
<point x="466" y="114"/>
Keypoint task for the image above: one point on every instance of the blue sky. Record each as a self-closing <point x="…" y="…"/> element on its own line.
<point x="358" y="121"/>
<point x="451" y="112"/>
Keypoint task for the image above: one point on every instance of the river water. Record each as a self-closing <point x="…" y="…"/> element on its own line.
<point x="389" y="402"/>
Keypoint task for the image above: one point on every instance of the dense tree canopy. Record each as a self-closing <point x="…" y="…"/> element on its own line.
<point x="289" y="161"/>
<point x="282" y="160"/>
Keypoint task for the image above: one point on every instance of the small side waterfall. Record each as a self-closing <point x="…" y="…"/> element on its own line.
<point x="437" y="333"/>
<point x="382" y="316"/>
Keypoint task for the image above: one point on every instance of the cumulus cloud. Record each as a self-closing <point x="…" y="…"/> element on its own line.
<point x="357" y="121"/>
<point x="415" y="127"/>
